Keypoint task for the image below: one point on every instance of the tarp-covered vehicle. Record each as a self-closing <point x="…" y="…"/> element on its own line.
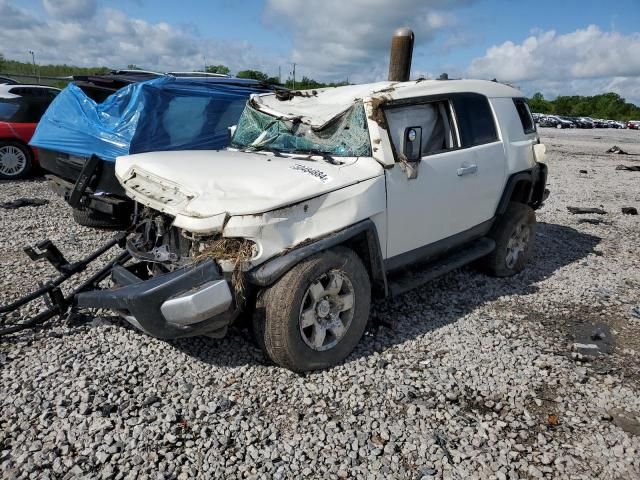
<point x="79" y="139"/>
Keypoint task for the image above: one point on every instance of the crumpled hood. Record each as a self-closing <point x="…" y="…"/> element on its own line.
<point x="206" y="183"/>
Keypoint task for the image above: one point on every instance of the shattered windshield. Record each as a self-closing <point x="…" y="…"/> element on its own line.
<point x="344" y="136"/>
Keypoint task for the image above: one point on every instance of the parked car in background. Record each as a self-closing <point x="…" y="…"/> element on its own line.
<point x="99" y="87"/>
<point x="600" y="123"/>
<point x="167" y="113"/>
<point x="21" y="107"/>
<point x="633" y="124"/>
<point x="556" y="121"/>
<point x="615" y="124"/>
<point x="7" y="81"/>
<point x="584" y="122"/>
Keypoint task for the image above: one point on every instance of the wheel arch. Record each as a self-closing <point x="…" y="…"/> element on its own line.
<point x="361" y="237"/>
<point x="526" y="187"/>
<point x="31" y="151"/>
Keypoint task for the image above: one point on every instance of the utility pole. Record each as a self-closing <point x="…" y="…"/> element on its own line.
<point x="33" y="59"/>
<point x="279" y="75"/>
<point x="204" y="59"/>
<point x="294" y="76"/>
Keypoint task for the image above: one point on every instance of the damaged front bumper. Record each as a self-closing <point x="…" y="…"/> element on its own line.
<point x="194" y="300"/>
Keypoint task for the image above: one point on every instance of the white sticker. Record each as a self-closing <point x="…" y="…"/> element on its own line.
<point x="314" y="172"/>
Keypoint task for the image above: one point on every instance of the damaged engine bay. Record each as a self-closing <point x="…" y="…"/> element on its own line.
<point x="164" y="248"/>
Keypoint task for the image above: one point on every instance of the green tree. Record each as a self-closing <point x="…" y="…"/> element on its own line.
<point x="224" y="70"/>
<point x="254" y="74"/>
<point x="538" y="104"/>
<point x="1" y="62"/>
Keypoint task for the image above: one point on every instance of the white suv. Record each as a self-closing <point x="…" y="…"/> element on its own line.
<point x="326" y="198"/>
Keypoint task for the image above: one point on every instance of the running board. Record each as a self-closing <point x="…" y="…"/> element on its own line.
<point x="413" y="276"/>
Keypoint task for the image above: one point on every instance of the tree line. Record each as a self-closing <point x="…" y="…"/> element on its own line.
<point x="606" y="105"/>
<point x="25" y="68"/>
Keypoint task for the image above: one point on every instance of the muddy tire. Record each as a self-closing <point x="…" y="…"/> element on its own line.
<point x="314" y="316"/>
<point x="16" y="160"/>
<point x="514" y="235"/>
<point x="94" y="219"/>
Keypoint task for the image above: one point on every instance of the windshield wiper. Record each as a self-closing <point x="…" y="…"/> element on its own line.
<point x="262" y="148"/>
<point x="326" y="156"/>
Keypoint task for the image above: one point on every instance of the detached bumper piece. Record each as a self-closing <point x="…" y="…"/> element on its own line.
<point x="191" y="301"/>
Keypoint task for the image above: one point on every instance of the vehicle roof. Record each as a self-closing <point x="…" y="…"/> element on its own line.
<point x="198" y="74"/>
<point x="5" y="90"/>
<point x="318" y="107"/>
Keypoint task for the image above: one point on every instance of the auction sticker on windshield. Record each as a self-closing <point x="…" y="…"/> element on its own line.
<point x="314" y="172"/>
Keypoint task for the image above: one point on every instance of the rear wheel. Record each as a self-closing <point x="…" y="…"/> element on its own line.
<point x="314" y="316"/>
<point x="15" y="160"/>
<point x="514" y="235"/>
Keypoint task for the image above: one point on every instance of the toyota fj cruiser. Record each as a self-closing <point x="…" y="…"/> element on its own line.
<point x="326" y="199"/>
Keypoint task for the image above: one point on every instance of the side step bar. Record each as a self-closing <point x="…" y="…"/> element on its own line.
<point x="415" y="275"/>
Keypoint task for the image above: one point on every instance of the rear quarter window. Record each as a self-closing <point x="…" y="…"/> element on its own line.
<point x="8" y="110"/>
<point x="475" y="119"/>
<point x="526" y="119"/>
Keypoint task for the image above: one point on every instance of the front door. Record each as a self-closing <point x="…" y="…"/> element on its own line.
<point x="459" y="174"/>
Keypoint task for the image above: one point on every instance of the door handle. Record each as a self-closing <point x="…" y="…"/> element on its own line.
<point x="467" y="170"/>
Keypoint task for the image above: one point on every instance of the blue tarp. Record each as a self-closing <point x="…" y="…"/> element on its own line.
<point x="164" y="114"/>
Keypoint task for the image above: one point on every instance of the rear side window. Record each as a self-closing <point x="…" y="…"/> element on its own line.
<point x="8" y="110"/>
<point x="524" y="113"/>
<point x="475" y="119"/>
<point x="23" y="109"/>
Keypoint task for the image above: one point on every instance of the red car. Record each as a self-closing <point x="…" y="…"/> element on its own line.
<point x="21" y="107"/>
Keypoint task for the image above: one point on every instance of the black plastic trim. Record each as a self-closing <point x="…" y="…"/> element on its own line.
<point x="537" y="176"/>
<point x="270" y="271"/>
<point x="439" y="248"/>
<point x="143" y="299"/>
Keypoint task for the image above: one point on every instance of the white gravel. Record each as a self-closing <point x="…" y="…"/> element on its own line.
<point x="479" y="378"/>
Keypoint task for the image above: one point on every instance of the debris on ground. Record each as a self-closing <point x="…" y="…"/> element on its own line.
<point x="629" y="210"/>
<point x="584" y="171"/>
<point x="625" y="420"/>
<point x="630" y="168"/>
<point x="635" y="312"/>
<point x="24" y="202"/>
<point x="594" y="221"/>
<point x="617" y="150"/>
<point x="586" y="210"/>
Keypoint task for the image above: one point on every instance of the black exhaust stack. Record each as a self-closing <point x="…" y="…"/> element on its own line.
<point x="401" y="54"/>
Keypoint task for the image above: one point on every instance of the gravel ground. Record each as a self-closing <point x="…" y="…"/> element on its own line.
<point x="478" y="377"/>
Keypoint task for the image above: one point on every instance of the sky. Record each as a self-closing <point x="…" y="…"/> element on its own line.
<point x="557" y="47"/>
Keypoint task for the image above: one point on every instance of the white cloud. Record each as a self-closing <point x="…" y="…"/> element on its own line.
<point x="587" y="61"/>
<point x="111" y="38"/>
<point x="335" y="38"/>
<point x="585" y="53"/>
<point x="70" y="9"/>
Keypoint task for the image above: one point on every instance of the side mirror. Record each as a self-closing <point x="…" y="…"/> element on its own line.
<point x="412" y="143"/>
<point x="231" y="130"/>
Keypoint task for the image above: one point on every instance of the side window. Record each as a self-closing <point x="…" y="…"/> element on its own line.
<point x="475" y="119"/>
<point x="35" y="108"/>
<point x="528" y="125"/>
<point x="434" y="118"/>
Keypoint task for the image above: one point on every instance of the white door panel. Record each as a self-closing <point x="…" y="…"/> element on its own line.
<point x="454" y="191"/>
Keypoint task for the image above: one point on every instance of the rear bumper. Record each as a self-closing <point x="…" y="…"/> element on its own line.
<point x="191" y="301"/>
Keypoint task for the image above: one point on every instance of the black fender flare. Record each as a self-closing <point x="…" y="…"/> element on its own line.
<point x="269" y="272"/>
<point x="536" y="176"/>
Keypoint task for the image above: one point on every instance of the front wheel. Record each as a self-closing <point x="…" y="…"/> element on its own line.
<point x="514" y="235"/>
<point x="314" y="316"/>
